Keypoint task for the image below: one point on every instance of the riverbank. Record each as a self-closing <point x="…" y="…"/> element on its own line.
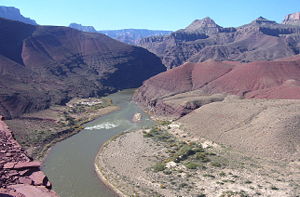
<point x="70" y="163"/>
<point x="37" y="132"/>
<point x="154" y="162"/>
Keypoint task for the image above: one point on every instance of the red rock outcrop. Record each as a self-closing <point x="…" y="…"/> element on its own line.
<point x="19" y="176"/>
<point x="278" y="79"/>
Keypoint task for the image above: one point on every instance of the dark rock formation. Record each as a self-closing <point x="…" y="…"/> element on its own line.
<point x="292" y="19"/>
<point x="261" y="39"/>
<point x="18" y="174"/>
<point x="45" y="65"/>
<point x="278" y="79"/>
<point x="14" y="14"/>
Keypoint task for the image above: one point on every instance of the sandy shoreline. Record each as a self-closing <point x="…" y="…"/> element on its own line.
<point x="125" y="163"/>
<point x="104" y="180"/>
<point x="115" y="181"/>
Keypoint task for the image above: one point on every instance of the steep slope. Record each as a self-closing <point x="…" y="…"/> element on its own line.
<point x="14" y="14"/>
<point x="261" y="39"/>
<point x="44" y="65"/>
<point x="19" y="175"/>
<point x="278" y="79"/>
<point x="263" y="128"/>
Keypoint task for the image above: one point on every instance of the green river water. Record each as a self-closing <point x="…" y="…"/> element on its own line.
<point x="70" y="163"/>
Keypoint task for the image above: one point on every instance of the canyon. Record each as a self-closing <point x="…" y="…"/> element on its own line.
<point x="225" y="101"/>
<point x="262" y="39"/>
<point x="46" y="65"/>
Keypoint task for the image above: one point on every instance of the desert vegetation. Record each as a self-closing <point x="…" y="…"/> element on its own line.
<point x="172" y="165"/>
<point x="36" y="132"/>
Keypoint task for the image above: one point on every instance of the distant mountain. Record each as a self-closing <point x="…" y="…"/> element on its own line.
<point x="45" y="65"/>
<point x="14" y="14"/>
<point x="129" y="36"/>
<point x="83" y="28"/>
<point x="262" y="39"/>
<point x="292" y="19"/>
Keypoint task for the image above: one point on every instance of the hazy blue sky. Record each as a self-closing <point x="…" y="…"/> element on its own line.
<point x="151" y="14"/>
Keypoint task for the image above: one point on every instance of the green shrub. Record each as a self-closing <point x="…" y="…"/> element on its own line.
<point x="159" y="167"/>
<point x="202" y="156"/>
<point x="216" y="164"/>
<point x="274" y="187"/>
<point x="146" y="134"/>
<point x="191" y="165"/>
<point x="209" y="175"/>
<point x="167" y="172"/>
<point x="164" y="122"/>
<point x="182" y="185"/>
<point x="248" y="182"/>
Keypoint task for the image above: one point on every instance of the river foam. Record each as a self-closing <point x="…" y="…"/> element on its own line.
<point x="105" y="125"/>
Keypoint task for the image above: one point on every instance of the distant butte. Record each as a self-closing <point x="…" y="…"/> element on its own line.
<point x="292" y="19"/>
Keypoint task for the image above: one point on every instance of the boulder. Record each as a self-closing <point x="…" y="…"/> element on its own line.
<point x="9" y="165"/>
<point x="32" y="164"/>
<point x="25" y="180"/>
<point x="38" y="178"/>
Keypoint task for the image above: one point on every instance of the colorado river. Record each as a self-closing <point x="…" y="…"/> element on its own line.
<point x="70" y="163"/>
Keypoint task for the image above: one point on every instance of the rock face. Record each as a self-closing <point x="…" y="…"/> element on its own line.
<point x="19" y="176"/>
<point x="80" y="27"/>
<point x="292" y="19"/>
<point x="261" y="39"/>
<point x="14" y="14"/>
<point x="278" y="79"/>
<point x="45" y="65"/>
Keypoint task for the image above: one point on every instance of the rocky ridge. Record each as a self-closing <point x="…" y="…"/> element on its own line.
<point x="14" y="14"/>
<point x="129" y="36"/>
<point x="292" y="19"/>
<point x="19" y="175"/>
<point x="261" y="39"/>
<point x="185" y="88"/>
<point x="45" y="65"/>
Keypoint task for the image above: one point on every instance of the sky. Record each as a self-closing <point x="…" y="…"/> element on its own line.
<point x="151" y="14"/>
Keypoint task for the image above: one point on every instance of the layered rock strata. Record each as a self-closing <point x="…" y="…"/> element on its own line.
<point x="185" y="88"/>
<point x="261" y="39"/>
